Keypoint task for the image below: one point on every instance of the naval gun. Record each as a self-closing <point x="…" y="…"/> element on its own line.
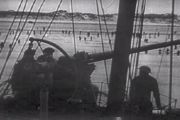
<point x="71" y="85"/>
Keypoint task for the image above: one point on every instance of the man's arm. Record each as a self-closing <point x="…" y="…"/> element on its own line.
<point x="156" y="94"/>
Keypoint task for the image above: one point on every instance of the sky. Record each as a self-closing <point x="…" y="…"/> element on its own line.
<point x="89" y="6"/>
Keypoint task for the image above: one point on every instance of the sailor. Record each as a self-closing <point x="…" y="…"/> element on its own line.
<point x="140" y="91"/>
<point x="47" y="55"/>
<point x="48" y="62"/>
<point x="23" y="68"/>
<point x="29" y="55"/>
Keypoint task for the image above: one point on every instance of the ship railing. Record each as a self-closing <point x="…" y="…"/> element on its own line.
<point x="173" y="101"/>
<point x="103" y="93"/>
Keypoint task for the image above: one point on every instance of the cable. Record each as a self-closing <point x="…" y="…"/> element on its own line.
<point x="52" y="18"/>
<point x="141" y="29"/>
<point x="9" y="53"/>
<point x="102" y="41"/>
<point x="11" y="49"/>
<point x="19" y="23"/>
<point x="159" y="68"/>
<point x="132" y="56"/>
<point x="106" y="25"/>
<point x="12" y="23"/>
<point x="111" y="4"/>
<point x="73" y="27"/>
<point x="28" y="36"/>
<point x="50" y="24"/>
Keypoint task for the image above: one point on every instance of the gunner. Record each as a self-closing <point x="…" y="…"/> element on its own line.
<point x="141" y="88"/>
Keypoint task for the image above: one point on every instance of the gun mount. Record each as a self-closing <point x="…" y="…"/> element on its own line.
<point x="70" y="82"/>
<point x="110" y="54"/>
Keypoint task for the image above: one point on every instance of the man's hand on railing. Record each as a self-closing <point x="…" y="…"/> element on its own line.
<point x="161" y="107"/>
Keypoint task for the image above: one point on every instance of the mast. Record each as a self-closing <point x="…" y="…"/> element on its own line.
<point x="171" y="57"/>
<point x="120" y="59"/>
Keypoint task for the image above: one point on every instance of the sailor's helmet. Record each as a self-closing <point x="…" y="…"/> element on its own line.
<point x="145" y="68"/>
<point x="48" y="50"/>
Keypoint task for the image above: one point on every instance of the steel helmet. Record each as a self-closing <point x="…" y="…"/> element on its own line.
<point x="145" y="68"/>
<point x="48" y="50"/>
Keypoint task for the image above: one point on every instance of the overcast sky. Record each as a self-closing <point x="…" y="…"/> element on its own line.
<point x="89" y="6"/>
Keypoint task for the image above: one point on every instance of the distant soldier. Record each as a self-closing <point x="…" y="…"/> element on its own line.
<point x="167" y="51"/>
<point x="34" y="32"/>
<point x="43" y="29"/>
<point x="146" y="40"/>
<point x="91" y="38"/>
<point x="140" y="91"/>
<point x="178" y="53"/>
<point x="175" y="47"/>
<point x="88" y="34"/>
<point x="69" y="32"/>
<point x="19" y="41"/>
<point x="10" y="45"/>
<point x="154" y="35"/>
<point x="79" y="37"/>
<point x="97" y="34"/>
<point x="84" y="38"/>
<point x="149" y="35"/>
<point x="2" y="45"/>
<point x="146" y="51"/>
<point x="112" y="33"/>
<point x="160" y="51"/>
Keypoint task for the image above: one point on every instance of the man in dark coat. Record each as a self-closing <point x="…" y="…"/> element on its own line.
<point x="141" y="88"/>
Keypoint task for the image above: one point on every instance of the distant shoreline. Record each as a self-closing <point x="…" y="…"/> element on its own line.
<point x="83" y="22"/>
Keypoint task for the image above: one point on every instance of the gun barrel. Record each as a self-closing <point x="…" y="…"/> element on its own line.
<point x="110" y="54"/>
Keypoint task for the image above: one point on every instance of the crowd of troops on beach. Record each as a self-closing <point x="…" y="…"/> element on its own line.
<point x="86" y="35"/>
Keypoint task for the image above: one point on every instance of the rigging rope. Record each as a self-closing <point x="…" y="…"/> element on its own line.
<point x="25" y="21"/>
<point x="9" y="53"/>
<point x="19" y="23"/>
<point x="141" y="29"/>
<point x="106" y="25"/>
<point x="134" y="57"/>
<point x="111" y="4"/>
<point x="50" y="24"/>
<point x="73" y="27"/>
<point x="12" y="23"/>
<point x="159" y="68"/>
<point x="105" y="65"/>
<point x="52" y="18"/>
<point x="28" y="36"/>
<point x="11" y="49"/>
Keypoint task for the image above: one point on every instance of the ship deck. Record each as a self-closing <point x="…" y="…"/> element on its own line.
<point x="82" y="115"/>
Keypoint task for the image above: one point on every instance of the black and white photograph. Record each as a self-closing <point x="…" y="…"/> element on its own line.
<point x="89" y="59"/>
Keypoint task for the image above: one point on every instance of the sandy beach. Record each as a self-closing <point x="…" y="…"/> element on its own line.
<point x="93" y="44"/>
